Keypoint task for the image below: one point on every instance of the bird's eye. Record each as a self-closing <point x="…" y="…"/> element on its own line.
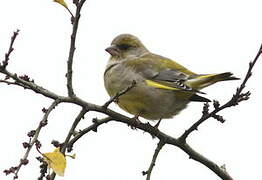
<point x="124" y="46"/>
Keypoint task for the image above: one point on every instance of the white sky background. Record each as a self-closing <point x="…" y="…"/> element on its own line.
<point x="206" y="36"/>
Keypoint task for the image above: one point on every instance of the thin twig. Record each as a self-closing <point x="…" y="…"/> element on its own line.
<point x="10" y="83"/>
<point x="249" y="73"/>
<point x="42" y="123"/>
<point x="69" y="135"/>
<point x="14" y="83"/>
<point x="237" y="97"/>
<point x="153" y="161"/>
<point x="10" y="50"/>
<point x="32" y="86"/>
<point x="72" y="16"/>
<point x="118" y="94"/>
<point x="69" y="73"/>
<point x="92" y="127"/>
<point x="72" y="129"/>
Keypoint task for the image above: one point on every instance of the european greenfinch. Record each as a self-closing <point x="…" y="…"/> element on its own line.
<point x="163" y="87"/>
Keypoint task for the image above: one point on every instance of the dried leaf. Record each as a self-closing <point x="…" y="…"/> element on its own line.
<point x="56" y="161"/>
<point x="62" y="2"/>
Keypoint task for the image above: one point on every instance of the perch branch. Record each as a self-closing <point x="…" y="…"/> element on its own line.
<point x="123" y="119"/>
<point x="161" y="136"/>
<point x="173" y="141"/>
<point x="237" y="97"/>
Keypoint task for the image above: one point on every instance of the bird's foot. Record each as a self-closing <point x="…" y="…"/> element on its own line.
<point x="135" y="122"/>
<point x="155" y="127"/>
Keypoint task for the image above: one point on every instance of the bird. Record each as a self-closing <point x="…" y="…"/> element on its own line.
<point x="162" y="87"/>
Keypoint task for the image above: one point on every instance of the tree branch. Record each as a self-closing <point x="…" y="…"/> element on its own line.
<point x="146" y="127"/>
<point x="69" y="135"/>
<point x="237" y="97"/>
<point x="92" y="127"/>
<point x="36" y="88"/>
<point x="13" y="83"/>
<point x="123" y="119"/>
<point x="33" y="139"/>
<point x="69" y="73"/>
<point x="153" y="161"/>
<point x="10" y="50"/>
<point x="72" y="129"/>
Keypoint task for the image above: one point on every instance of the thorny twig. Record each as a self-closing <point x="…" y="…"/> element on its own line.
<point x="153" y="161"/>
<point x="69" y="73"/>
<point x="237" y="97"/>
<point x="10" y="50"/>
<point x="72" y="130"/>
<point x="33" y="139"/>
<point x="69" y="135"/>
<point x="92" y="127"/>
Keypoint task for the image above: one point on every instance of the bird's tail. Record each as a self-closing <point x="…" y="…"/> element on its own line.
<point x="204" y="80"/>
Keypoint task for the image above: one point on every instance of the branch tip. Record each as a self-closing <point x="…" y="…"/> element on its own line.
<point x="10" y="50"/>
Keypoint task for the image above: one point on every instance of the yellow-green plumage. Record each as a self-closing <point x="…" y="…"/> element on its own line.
<point x="163" y="87"/>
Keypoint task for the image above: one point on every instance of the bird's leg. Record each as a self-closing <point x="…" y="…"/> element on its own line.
<point x="135" y="121"/>
<point x="158" y="123"/>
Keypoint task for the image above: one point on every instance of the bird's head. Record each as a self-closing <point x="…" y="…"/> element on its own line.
<point x="126" y="46"/>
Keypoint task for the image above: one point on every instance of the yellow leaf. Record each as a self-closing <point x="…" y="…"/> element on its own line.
<point x="62" y="2"/>
<point x="56" y="161"/>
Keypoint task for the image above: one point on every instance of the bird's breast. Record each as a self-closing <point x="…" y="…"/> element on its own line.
<point x="118" y="78"/>
<point x="149" y="102"/>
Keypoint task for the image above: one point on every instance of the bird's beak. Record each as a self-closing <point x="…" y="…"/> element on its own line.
<point x="113" y="50"/>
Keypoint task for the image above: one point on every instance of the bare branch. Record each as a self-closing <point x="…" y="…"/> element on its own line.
<point x="13" y="83"/>
<point x="153" y="161"/>
<point x="120" y="118"/>
<point x="33" y="139"/>
<point x="10" y="50"/>
<point x="72" y="129"/>
<point x="157" y="133"/>
<point x="32" y="86"/>
<point x="69" y="135"/>
<point x="69" y="73"/>
<point x="93" y="127"/>
<point x="237" y="97"/>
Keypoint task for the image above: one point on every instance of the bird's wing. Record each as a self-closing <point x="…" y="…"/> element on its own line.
<point x="161" y="72"/>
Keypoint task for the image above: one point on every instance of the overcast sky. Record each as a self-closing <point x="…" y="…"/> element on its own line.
<point x="206" y="36"/>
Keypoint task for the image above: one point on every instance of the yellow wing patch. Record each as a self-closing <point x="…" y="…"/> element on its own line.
<point x="160" y="86"/>
<point x="56" y="161"/>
